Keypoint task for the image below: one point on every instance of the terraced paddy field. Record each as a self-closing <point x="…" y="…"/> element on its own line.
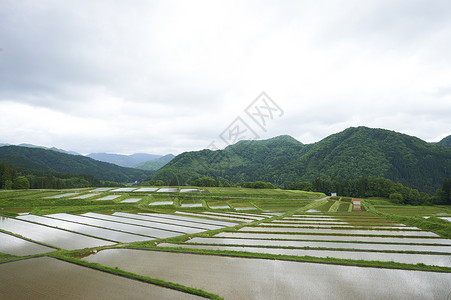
<point x="50" y="278"/>
<point x="247" y="278"/>
<point x="291" y="245"/>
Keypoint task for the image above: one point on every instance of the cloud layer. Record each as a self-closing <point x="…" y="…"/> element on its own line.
<point x="170" y="76"/>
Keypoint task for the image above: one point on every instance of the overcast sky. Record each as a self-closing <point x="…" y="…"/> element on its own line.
<point x="172" y="76"/>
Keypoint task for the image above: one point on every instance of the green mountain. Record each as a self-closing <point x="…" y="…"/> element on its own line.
<point x="155" y="164"/>
<point x="445" y="141"/>
<point x="53" y="161"/>
<point x="352" y="153"/>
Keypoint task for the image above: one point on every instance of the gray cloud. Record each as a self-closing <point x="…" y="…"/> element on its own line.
<point x="169" y="76"/>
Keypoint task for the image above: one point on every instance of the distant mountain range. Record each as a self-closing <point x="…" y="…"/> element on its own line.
<point x="37" y="158"/>
<point x="138" y="160"/>
<point x="129" y="161"/>
<point x="352" y="153"/>
<point x="445" y="141"/>
<point x="153" y="165"/>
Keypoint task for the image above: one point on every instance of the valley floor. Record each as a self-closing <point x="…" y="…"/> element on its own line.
<point x="219" y="243"/>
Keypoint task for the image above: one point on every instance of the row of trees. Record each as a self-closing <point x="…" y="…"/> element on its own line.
<point x="365" y="187"/>
<point x="206" y="181"/>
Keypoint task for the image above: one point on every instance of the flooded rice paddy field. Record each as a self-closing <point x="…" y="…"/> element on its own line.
<point x="145" y="190"/>
<point x="124" y="190"/>
<point x="131" y="200"/>
<point x="248" y="217"/>
<point x="62" y="195"/>
<point x="247" y="278"/>
<point x="162" y="203"/>
<point x="201" y="218"/>
<point x="164" y="228"/>
<point x="340" y="231"/>
<point x="168" y="190"/>
<point x="110" y="197"/>
<point x="189" y="190"/>
<point x="85" y="196"/>
<point x="112" y="235"/>
<point x="315" y="244"/>
<point x="427" y="259"/>
<point x="50" y="278"/>
<point x="51" y="236"/>
<point x="188" y="205"/>
<point x="364" y="226"/>
<point x="17" y="246"/>
<point x="156" y="219"/>
<point x="350" y="238"/>
<point x="343" y="235"/>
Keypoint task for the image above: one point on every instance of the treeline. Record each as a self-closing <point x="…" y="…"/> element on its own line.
<point x="206" y="181"/>
<point x="365" y="187"/>
<point x="12" y="177"/>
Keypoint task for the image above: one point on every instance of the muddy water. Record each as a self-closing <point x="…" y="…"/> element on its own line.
<point x="55" y="237"/>
<point x="340" y="231"/>
<point x="49" y="278"/>
<point x="166" y="221"/>
<point x="240" y="278"/>
<point x="164" y="228"/>
<point x="13" y="245"/>
<point x="427" y="259"/>
<point x="86" y="229"/>
<point x="361" y="246"/>
<point x="335" y="238"/>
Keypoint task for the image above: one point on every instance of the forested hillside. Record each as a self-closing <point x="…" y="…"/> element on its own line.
<point x="445" y="141"/>
<point x="352" y="153"/>
<point x="52" y="161"/>
<point x="153" y="165"/>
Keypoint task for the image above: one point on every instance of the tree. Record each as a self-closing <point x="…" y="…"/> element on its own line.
<point x="396" y="198"/>
<point x="303" y="186"/>
<point x="21" y="183"/>
<point x="7" y="176"/>
<point x="205" y="181"/>
<point x="445" y="195"/>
